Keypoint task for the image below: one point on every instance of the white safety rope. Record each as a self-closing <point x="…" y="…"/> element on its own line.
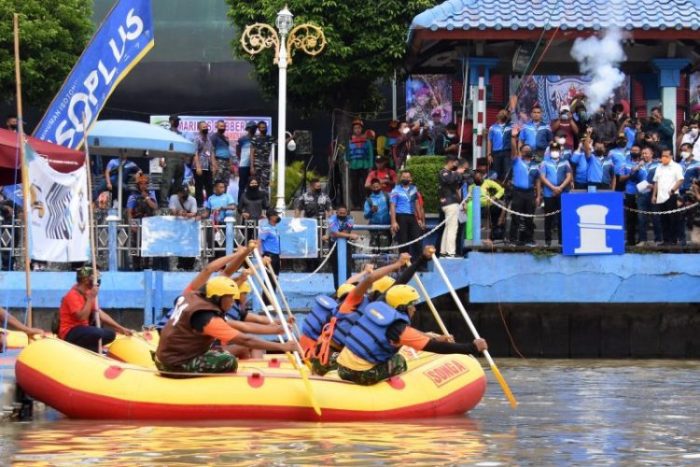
<point x="663" y="213"/>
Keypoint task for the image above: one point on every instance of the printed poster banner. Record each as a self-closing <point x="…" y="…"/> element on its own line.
<point x="553" y="91"/>
<point x="122" y="40"/>
<point x="235" y="126"/>
<point x="298" y="237"/>
<point x="58" y="204"/>
<point x="694" y="85"/>
<point x="426" y="94"/>
<point x="170" y="236"/>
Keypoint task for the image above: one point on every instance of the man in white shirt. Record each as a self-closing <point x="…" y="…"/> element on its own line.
<point x="668" y="179"/>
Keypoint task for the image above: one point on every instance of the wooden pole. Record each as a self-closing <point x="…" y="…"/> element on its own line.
<point x="496" y="372"/>
<point x="25" y="175"/>
<point x="91" y="232"/>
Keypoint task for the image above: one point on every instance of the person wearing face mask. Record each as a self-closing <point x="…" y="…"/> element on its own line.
<point x="601" y="168"/>
<point x="359" y="157"/>
<point x="376" y="211"/>
<point x="382" y="172"/>
<point x="498" y="145"/>
<point x="406" y="214"/>
<point x="668" y="179"/>
<point x="526" y="196"/>
<point x="253" y="203"/>
<point x="11" y="123"/>
<point x="580" y="159"/>
<point x="555" y="176"/>
<point x="260" y="156"/>
<point x="565" y="126"/>
<point x="632" y="173"/>
<point x="619" y="153"/>
<point x="691" y="171"/>
<point x="536" y="134"/>
<point x="222" y="152"/>
<point x="244" y="147"/>
<point x="204" y="163"/>
<point x="183" y="205"/>
<point x="408" y="144"/>
<point x="603" y="126"/>
<point x="450" y="181"/>
<point x="340" y="225"/>
<point x="314" y="203"/>
<point x="690" y="134"/>
<point x="270" y="241"/>
<point x="644" y="203"/>
<point x="663" y="126"/>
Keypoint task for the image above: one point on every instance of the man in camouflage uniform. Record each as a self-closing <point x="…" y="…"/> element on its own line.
<point x="394" y="366"/>
<point x="222" y="151"/>
<point x="260" y="166"/>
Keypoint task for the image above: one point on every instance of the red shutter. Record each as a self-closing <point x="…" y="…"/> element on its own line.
<point x="639" y="103"/>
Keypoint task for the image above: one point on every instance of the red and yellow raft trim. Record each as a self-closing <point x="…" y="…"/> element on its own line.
<point x="84" y="385"/>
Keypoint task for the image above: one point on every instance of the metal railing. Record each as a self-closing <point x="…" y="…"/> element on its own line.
<point x="118" y="243"/>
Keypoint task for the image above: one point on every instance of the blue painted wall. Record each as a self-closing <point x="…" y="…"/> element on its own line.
<point x="491" y="278"/>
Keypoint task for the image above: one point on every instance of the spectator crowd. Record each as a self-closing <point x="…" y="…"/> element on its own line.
<point x="528" y="164"/>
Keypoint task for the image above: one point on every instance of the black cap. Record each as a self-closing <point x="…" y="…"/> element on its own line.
<point x="272" y="212"/>
<point x="173" y="117"/>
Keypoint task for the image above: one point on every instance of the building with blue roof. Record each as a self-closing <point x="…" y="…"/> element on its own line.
<point x="501" y="41"/>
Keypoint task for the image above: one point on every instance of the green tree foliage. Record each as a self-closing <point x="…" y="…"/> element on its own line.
<point x="366" y="41"/>
<point x="53" y="34"/>
<point x="425" y="170"/>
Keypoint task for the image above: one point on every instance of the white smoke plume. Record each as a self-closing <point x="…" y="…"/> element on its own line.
<point x="599" y="59"/>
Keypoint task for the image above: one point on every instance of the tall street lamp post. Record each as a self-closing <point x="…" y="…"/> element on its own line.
<point x="306" y="37"/>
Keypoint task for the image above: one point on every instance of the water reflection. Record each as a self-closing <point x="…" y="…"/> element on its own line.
<point x="571" y="413"/>
<point x="80" y="442"/>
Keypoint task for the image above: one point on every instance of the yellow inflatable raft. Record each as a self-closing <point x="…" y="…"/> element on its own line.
<point x="82" y="384"/>
<point x="14" y="339"/>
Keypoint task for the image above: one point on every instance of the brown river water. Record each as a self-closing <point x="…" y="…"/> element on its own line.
<point x="572" y="412"/>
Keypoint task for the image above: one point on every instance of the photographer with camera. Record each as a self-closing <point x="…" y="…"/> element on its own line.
<point x="450" y="181"/>
<point x="663" y="126"/>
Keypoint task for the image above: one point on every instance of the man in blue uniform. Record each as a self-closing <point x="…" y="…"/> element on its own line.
<point x="376" y="211"/>
<point x="555" y="176"/>
<point x="536" y="133"/>
<point x="631" y="173"/>
<point x="340" y="225"/>
<point x="498" y="145"/>
<point x="406" y="214"/>
<point x="526" y="196"/>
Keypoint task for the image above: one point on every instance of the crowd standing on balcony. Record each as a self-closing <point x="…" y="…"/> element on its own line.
<point x="528" y="165"/>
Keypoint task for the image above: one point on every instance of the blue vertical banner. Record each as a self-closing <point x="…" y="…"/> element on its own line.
<point x="122" y="40"/>
<point x="593" y="223"/>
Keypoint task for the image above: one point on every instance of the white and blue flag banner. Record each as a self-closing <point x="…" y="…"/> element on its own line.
<point x="58" y="205"/>
<point x="121" y="41"/>
<point x="170" y="236"/>
<point x="298" y="237"/>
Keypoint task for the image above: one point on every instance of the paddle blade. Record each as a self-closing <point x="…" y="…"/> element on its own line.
<point x="504" y="386"/>
<point x="312" y="395"/>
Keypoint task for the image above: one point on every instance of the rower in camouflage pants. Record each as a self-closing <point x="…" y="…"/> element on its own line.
<point x="394" y="366"/>
<point x="210" y="362"/>
<point x="320" y="369"/>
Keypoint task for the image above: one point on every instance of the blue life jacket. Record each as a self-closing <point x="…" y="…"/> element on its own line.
<point x="235" y="312"/>
<point x="368" y="339"/>
<point x="345" y="321"/>
<point x="321" y="312"/>
<point x="357" y="149"/>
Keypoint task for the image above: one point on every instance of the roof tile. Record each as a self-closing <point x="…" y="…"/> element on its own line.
<point x="573" y="14"/>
